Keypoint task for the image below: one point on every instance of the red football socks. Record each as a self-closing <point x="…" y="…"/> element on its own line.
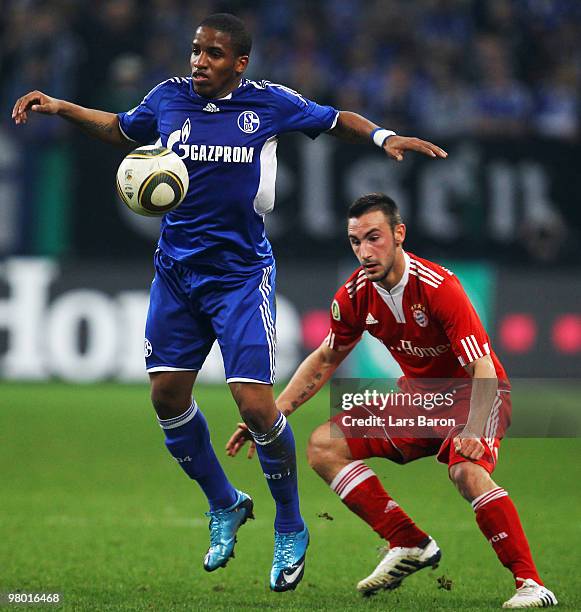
<point x="499" y="522"/>
<point x="362" y="492"/>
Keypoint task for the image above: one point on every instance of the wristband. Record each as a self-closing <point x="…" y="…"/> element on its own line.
<point x="379" y="136"/>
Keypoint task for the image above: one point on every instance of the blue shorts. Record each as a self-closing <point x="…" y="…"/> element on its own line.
<point x="189" y="309"/>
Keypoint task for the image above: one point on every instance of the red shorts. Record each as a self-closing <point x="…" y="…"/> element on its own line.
<point x="403" y="450"/>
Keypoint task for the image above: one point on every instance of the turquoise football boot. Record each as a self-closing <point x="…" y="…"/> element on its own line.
<point x="223" y="527"/>
<point x="288" y="565"/>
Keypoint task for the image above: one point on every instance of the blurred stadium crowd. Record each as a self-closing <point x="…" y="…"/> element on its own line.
<point x="496" y="82"/>
<point x="433" y="67"/>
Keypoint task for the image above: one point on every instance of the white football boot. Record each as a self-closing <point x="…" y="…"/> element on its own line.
<point x="399" y="563"/>
<point x="531" y="595"/>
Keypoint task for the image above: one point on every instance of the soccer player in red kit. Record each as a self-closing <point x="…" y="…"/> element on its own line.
<point x="422" y="315"/>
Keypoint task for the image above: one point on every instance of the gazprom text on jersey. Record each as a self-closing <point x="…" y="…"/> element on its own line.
<point x="216" y="153"/>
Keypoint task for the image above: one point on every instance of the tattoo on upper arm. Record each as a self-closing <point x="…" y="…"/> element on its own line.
<point x="352" y="128"/>
<point x="98" y="128"/>
<point x="350" y="132"/>
<point x="347" y="133"/>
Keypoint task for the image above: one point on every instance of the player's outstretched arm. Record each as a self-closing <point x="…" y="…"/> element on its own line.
<point x="310" y="376"/>
<point x="96" y="123"/>
<point x="359" y="130"/>
<point x="484" y="387"/>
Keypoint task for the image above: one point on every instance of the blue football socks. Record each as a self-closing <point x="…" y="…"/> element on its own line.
<point x="188" y="440"/>
<point x="276" y="451"/>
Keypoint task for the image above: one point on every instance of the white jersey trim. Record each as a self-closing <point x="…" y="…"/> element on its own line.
<point x="264" y="198"/>
<point x="425" y="274"/>
<point x="423" y="278"/>
<point x="357" y="283"/>
<point x="330" y="340"/>
<point x="334" y="121"/>
<point x="472" y="350"/>
<point x="124" y="134"/>
<point x="428" y="271"/>
<point x="394" y="297"/>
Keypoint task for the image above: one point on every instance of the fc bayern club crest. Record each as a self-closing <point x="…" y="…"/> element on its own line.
<point x="420" y="316"/>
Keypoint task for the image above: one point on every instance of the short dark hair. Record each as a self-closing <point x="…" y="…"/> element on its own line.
<point x="376" y="201"/>
<point x="230" y="24"/>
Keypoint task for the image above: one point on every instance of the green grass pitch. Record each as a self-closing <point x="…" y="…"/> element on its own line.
<point x="92" y="506"/>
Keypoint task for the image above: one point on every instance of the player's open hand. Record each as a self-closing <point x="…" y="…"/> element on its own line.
<point x="396" y="146"/>
<point x="36" y="102"/>
<point x="468" y="445"/>
<point x="238" y="440"/>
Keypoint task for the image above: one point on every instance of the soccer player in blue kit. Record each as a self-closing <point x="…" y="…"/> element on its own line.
<point x="214" y="268"/>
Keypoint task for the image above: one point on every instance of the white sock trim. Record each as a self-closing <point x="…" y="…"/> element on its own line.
<point x="180" y="420"/>
<point x="487" y="497"/>
<point x="349" y="477"/>
<point x="262" y="439"/>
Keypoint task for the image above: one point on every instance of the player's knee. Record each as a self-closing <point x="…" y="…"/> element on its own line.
<point x="168" y="400"/>
<point x="249" y="414"/>
<point x="470" y="479"/>
<point x="257" y="419"/>
<point x="461" y="475"/>
<point x="256" y="405"/>
<point x="320" y="449"/>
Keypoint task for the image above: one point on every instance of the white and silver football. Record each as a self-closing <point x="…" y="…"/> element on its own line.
<point x="152" y="180"/>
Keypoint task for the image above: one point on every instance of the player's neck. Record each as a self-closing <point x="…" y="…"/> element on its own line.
<point x="224" y="92"/>
<point x="396" y="273"/>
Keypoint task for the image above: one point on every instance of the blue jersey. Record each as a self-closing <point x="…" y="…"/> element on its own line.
<point x="229" y="147"/>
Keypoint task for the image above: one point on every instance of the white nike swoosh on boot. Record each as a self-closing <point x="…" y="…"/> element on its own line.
<point x="290" y="578"/>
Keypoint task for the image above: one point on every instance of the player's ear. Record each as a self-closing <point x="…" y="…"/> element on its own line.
<point x="399" y="234"/>
<point x="241" y="63"/>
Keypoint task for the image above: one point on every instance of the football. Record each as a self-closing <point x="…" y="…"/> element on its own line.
<point x="152" y="180"/>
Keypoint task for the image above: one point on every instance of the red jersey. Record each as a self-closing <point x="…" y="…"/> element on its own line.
<point x="426" y="321"/>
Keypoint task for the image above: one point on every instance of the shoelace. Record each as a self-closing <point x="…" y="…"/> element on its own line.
<point x="216" y="526"/>
<point x="284" y="546"/>
<point x="525" y="588"/>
